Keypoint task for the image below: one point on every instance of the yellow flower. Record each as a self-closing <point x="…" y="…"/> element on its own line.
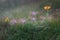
<point x="6" y="19"/>
<point x="47" y="7"/>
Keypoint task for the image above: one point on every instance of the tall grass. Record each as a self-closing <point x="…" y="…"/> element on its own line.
<point x="29" y="31"/>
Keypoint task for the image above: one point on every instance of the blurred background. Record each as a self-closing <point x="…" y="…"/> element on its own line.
<point x="29" y="19"/>
<point x="20" y="7"/>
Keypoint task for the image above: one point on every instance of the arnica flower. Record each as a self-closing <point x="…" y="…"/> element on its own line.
<point x="47" y="7"/>
<point x="13" y="21"/>
<point x="34" y="13"/>
<point x="6" y="19"/>
<point x="22" y="20"/>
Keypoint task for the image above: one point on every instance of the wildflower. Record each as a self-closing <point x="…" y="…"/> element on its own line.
<point x="34" y="13"/>
<point x="33" y="19"/>
<point x="22" y="20"/>
<point x="47" y="7"/>
<point x="6" y="19"/>
<point x="13" y="21"/>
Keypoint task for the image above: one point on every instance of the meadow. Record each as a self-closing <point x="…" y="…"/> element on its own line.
<point x="39" y="27"/>
<point x="31" y="31"/>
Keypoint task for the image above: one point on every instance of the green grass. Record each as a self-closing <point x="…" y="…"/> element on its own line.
<point x="29" y="31"/>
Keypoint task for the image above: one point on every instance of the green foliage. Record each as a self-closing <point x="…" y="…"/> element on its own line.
<point x="58" y="37"/>
<point x="56" y="25"/>
<point x="30" y="31"/>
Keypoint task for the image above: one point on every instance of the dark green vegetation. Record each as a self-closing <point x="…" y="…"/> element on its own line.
<point x="28" y="31"/>
<point x="55" y="4"/>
